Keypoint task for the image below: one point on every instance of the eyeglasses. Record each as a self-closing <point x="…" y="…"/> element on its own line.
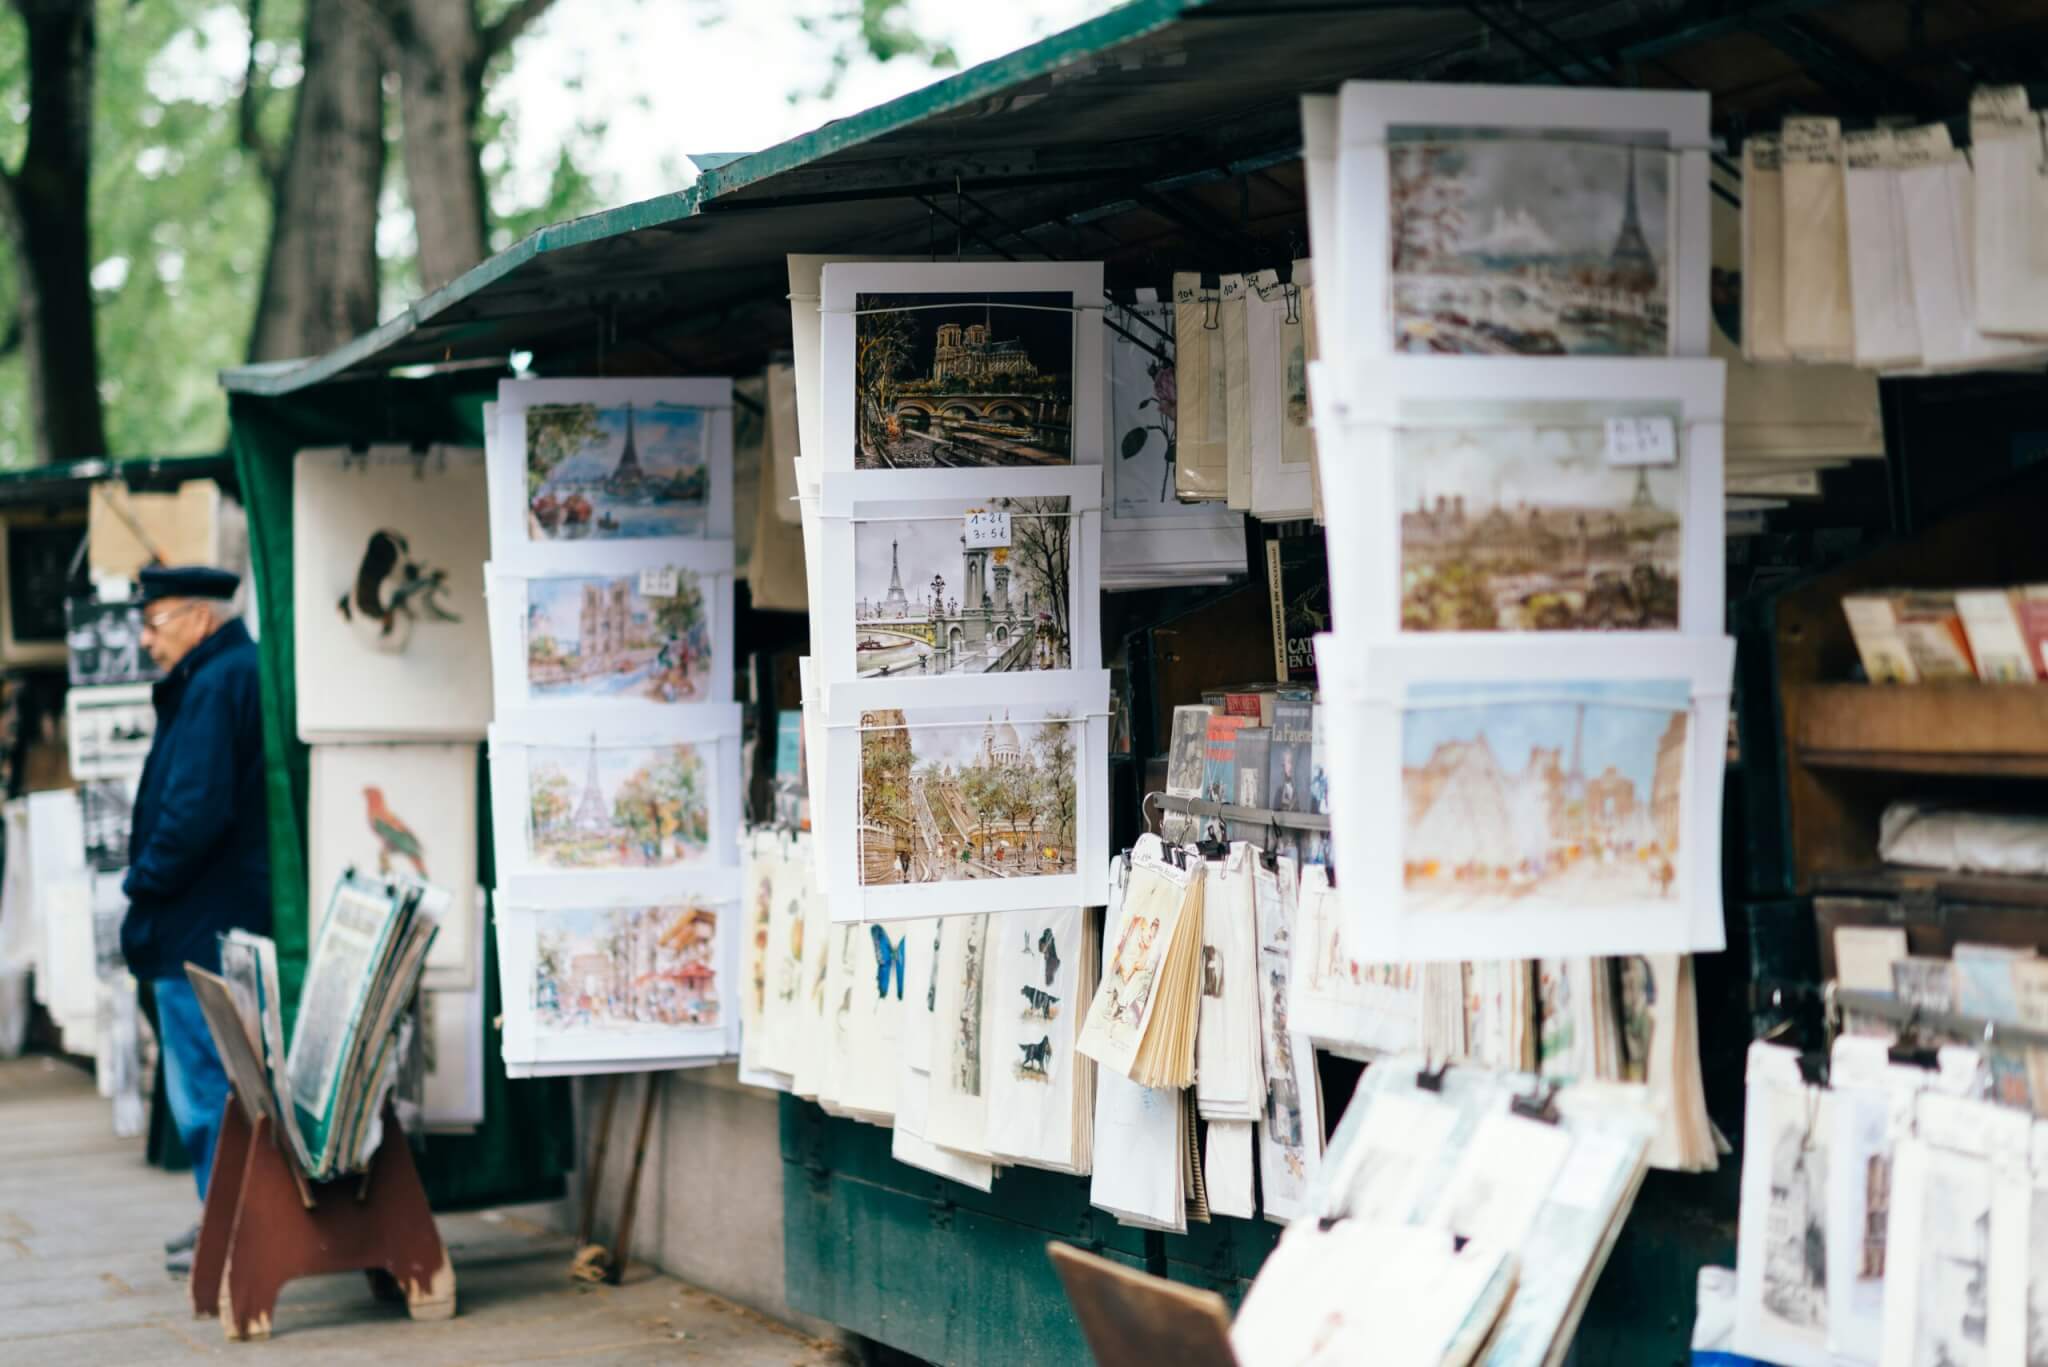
<point x="162" y="619"/>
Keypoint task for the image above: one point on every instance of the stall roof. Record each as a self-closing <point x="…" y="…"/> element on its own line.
<point x="67" y="482"/>
<point x="1165" y="132"/>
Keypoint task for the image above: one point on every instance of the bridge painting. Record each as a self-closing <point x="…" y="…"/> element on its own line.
<point x="964" y="380"/>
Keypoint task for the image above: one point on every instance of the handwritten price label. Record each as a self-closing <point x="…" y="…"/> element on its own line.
<point x="985" y="529"/>
<point x="658" y="581"/>
<point x="1642" y="441"/>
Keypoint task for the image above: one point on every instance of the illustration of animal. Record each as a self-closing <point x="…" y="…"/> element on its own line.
<point x="392" y="594"/>
<point x="1040" y="1003"/>
<point x="395" y="839"/>
<point x="1049" y="949"/>
<point x="888" y="958"/>
<point x="1036" y="1056"/>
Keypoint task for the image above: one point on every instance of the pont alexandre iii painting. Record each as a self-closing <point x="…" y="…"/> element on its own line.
<point x="930" y="601"/>
<point x="956" y="380"/>
<point x="1521" y="244"/>
<point x="602" y="637"/>
<point x="1556" y="794"/>
<point x="617" y="807"/>
<point x="626" y="969"/>
<point x="614" y="472"/>
<point x="942" y="801"/>
<point x="1513" y="519"/>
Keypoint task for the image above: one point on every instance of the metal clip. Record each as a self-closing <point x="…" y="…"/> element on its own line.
<point x="1539" y="1105"/>
<point x="1432" y="1080"/>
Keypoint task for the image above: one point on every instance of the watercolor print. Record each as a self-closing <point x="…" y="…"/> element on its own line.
<point x="601" y="636"/>
<point x="1556" y="795"/>
<point x="617" y="807"/>
<point x="1795" y="1235"/>
<point x="616" y="471"/>
<point x="1144" y="407"/>
<point x="1512" y="519"/>
<point x="1040" y="1008"/>
<point x="942" y="801"/>
<point x="626" y="969"/>
<point x="1523" y="244"/>
<point x="958" y="380"/>
<point x="393" y="589"/>
<point x="955" y="590"/>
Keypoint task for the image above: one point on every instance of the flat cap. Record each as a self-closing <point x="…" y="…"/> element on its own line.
<point x="187" y="581"/>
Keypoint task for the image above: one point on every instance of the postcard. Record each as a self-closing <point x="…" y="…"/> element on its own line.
<point x="587" y="461"/>
<point x="650" y="626"/>
<point x="1489" y="220"/>
<point x="1531" y="496"/>
<point x="599" y="810"/>
<point x="993" y="802"/>
<point x="1508" y="800"/>
<point x="941" y="365"/>
<point x="940" y="575"/>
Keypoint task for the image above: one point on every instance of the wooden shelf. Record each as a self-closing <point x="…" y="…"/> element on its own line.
<point x="1980" y="730"/>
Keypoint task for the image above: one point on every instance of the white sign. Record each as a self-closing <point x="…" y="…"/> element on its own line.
<point x="658" y="581"/>
<point x="1642" y="441"/>
<point x="984" y="529"/>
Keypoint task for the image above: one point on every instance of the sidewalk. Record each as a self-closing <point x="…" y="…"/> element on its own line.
<point x="82" y="1225"/>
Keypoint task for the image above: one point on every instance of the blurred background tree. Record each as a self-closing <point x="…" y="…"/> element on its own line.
<point x="189" y="184"/>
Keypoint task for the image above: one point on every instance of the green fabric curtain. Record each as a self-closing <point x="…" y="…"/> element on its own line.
<point x="526" y="1142"/>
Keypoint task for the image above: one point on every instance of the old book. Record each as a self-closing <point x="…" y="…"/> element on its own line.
<point x="1933" y="632"/>
<point x="1991" y="625"/>
<point x="1924" y="981"/>
<point x="2030" y="603"/>
<point x="1985" y="987"/>
<point x="1248" y="789"/>
<point x="1874" y="625"/>
<point x="1142" y="1021"/>
<point x="1315" y="849"/>
<point x="1287" y="768"/>
<point x="1298" y="588"/>
<point x="1186" y="767"/>
<point x="1219" y="768"/>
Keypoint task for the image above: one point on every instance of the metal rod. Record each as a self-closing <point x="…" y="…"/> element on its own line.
<point x="1888" y="1007"/>
<point x="595" y="1175"/>
<point x="1251" y="816"/>
<point x="624" y="1252"/>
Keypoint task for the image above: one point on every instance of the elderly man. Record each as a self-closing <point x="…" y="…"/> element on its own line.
<point x="199" y="861"/>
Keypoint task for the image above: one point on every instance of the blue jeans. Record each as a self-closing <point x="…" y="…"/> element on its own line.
<point x="193" y="1077"/>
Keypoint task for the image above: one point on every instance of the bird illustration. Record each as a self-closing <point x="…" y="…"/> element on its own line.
<point x="392" y="594"/>
<point x="395" y="839"/>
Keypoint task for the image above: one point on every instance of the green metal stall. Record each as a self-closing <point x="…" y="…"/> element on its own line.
<point x="1162" y="136"/>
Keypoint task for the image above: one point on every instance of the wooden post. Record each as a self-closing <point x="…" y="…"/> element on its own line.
<point x="593" y="1176"/>
<point x="624" y="1252"/>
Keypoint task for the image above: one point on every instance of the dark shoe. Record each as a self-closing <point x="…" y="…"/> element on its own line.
<point x="179" y="1264"/>
<point x="183" y="1243"/>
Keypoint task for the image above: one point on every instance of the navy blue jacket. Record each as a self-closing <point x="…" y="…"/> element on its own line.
<point x="199" y="849"/>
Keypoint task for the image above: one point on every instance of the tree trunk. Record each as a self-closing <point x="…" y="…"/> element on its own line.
<point x="439" y="54"/>
<point x="320" y="279"/>
<point x="44" y="206"/>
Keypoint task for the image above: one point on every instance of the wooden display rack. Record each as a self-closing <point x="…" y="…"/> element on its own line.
<point x="264" y="1225"/>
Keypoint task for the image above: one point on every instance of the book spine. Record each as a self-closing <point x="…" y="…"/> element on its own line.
<point x="1276" y="602"/>
<point x="1991" y="624"/>
<point x="1874" y="624"/>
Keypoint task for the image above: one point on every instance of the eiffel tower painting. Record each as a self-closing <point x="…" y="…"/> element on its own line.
<point x="592" y="812"/>
<point x="1633" y="263"/>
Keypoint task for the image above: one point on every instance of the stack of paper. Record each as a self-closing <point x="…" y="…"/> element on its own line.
<point x="1143" y="1020"/>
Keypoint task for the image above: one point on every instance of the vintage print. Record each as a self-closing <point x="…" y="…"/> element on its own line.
<point x="1144" y="405"/>
<point x="1953" y="1313"/>
<point x="617" y="807"/>
<point x="944" y="800"/>
<point x="1522" y="244"/>
<point x="1040" y="1005"/>
<point x="616" y="472"/>
<point x="974" y="588"/>
<point x="104" y="641"/>
<point x="606" y="636"/>
<point x="959" y="380"/>
<point x="626" y="969"/>
<point x="1795" y="1236"/>
<point x="1512" y="519"/>
<point x="1555" y="794"/>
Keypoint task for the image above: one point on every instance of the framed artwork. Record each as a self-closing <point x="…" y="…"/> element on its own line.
<point x="388" y="547"/>
<point x="38" y="555"/>
<point x="1497" y="220"/>
<point x="1514" y="496"/>
<point x="387" y="810"/>
<point x="1506" y="799"/>
<point x="626" y="986"/>
<point x="581" y="463"/>
<point x="1150" y="537"/>
<point x="602" y="809"/>
<point x="109" y="729"/>
<point x="953" y="574"/>
<point x="104" y="641"/>
<point x="934" y="365"/>
<point x="646" y="632"/>
<point x="995" y="801"/>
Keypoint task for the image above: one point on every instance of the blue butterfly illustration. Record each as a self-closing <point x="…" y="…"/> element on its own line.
<point x="888" y="958"/>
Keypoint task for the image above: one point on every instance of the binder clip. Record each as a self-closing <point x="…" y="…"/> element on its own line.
<point x="1432" y="1080"/>
<point x="1910" y="1048"/>
<point x="1813" y="1069"/>
<point x="1539" y="1105"/>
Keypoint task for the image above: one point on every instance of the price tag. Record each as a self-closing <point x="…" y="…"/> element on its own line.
<point x="985" y="529"/>
<point x="1642" y="441"/>
<point x="658" y="581"/>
